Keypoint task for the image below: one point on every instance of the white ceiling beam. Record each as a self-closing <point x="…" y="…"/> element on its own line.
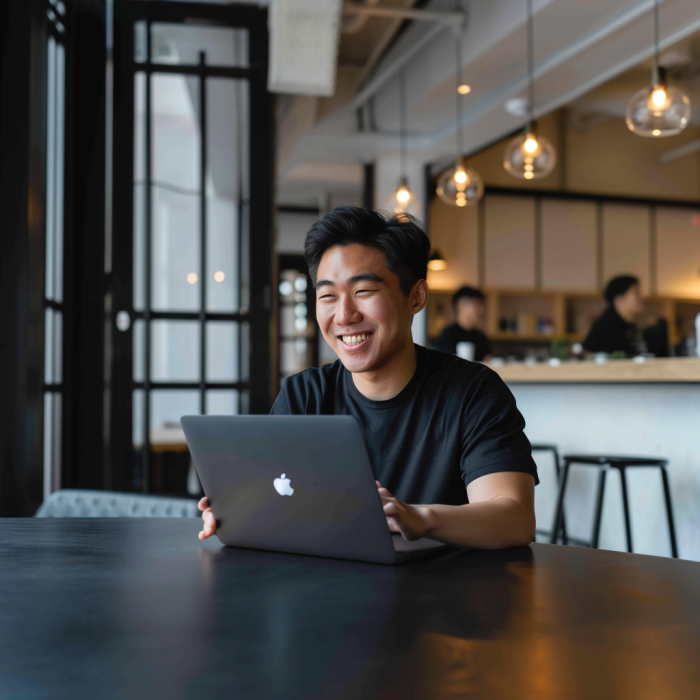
<point x="680" y="152"/>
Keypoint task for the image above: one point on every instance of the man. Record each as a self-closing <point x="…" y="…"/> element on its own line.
<point x="615" y="329"/>
<point x="444" y="436"/>
<point x="469" y="309"/>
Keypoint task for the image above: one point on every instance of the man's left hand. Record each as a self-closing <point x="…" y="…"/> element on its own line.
<point x="413" y="522"/>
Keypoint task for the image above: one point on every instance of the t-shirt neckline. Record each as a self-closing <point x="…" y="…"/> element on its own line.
<point x="406" y="392"/>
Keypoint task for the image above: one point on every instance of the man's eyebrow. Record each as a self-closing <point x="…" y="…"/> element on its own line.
<point x="364" y="277"/>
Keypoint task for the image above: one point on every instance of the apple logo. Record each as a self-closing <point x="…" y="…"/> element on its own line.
<point x="283" y="486"/>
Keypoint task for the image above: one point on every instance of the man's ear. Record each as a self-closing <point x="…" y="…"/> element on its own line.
<point x="419" y="294"/>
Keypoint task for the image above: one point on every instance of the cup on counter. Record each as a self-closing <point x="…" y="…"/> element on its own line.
<point x="466" y="350"/>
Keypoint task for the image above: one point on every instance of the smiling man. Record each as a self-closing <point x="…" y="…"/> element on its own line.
<point x="444" y="436"/>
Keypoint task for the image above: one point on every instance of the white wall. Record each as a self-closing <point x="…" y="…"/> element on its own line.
<point x="639" y="419"/>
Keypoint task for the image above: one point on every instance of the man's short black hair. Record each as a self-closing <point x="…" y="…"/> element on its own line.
<point x="618" y="286"/>
<point x="401" y="237"/>
<point x="467" y="293"/>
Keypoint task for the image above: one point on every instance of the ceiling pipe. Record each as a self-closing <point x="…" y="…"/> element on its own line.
<point x="353" y="8"/>
<point x="387" y="73"/>
<point x="680" y="152"/>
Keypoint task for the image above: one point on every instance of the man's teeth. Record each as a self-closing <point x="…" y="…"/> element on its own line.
<point x="355" y="339"/>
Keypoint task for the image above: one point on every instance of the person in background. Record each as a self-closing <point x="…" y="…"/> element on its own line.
<point x="469" y="311"/>
<point x="615" y="330"/>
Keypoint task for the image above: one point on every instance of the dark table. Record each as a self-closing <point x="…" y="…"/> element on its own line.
<point x="141" y="609"/>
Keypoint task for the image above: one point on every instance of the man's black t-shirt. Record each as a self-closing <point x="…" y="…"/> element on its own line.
<point x="450" y="336"/>
<point x="454" y="422"/>
<point x="611" y="333"/>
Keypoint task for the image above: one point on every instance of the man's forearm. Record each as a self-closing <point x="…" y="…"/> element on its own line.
<point x="500" y="522"/>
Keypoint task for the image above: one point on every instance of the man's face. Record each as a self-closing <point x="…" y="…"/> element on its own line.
<point x="470" y="313"/>
<point x="631" y="301"/>
<point x="362" y="312"/>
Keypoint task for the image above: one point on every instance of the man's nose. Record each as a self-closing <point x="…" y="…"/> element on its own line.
<point x="347" y="312"/>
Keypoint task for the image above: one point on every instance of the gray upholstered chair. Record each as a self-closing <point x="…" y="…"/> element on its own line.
<point x="73" y="503"/>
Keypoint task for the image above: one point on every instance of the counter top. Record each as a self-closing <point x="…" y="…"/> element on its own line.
<point x="675" y="370"/>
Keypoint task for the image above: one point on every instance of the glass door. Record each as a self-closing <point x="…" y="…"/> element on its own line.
<point x="190" y="299"/>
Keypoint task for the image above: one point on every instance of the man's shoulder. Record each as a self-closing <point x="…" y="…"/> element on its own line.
<point x="450" y="368"/>
<point x="313" y="382"/>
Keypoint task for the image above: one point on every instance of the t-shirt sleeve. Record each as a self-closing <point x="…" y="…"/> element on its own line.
<point x="493" y="437"/>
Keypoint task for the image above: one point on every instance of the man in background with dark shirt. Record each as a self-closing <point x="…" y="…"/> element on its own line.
<point x="469" y="309"/>
<point x="615" y="330"/>
<point x="444" y="436"/>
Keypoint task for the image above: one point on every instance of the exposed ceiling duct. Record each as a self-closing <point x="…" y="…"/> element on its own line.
<point x="304" y="46"/>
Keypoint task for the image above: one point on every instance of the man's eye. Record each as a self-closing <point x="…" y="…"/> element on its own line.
<point x="362" y="291"/>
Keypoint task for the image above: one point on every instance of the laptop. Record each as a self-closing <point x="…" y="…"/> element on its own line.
<point x="298" y="484"/>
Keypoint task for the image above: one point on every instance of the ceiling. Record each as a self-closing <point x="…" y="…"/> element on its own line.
<point x="589" y="56"/>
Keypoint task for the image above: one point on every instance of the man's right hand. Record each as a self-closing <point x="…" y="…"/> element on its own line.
<point x="209" y="526"/>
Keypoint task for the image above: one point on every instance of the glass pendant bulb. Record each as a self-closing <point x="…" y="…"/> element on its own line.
<point x="529" y="156"/>
<point x="403" y="195"/>
<point x="659" y="110"/>
<point x="460" y="186"/>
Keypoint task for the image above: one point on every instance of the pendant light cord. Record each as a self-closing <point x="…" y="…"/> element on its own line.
<point x="656" y="34"/>
<point x="458" y="56"/>
<point x="530" y="62"/>
<point x="402" y="110"/>
<point x="458" y="78"/>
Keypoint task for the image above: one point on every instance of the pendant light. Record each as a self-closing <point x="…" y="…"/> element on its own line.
<point x="436" y="262"/>
<point x="403" y="194"/>
<point x="460" y="186"/>
<point x="658" y="110"/>
<point x="530" y="155"/>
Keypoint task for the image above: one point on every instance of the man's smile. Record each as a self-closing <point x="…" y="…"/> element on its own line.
<point x="352" y="341"/>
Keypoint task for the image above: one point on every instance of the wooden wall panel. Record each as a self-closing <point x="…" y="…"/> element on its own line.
<point x="678" y="252"/>
<point x="509" y="241"/>
<point x="453" y="232"/>
<point x="626" y="242"/>
<point x="569" y="245"/>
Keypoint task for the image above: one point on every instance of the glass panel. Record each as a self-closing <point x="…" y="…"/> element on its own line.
<point x="137" y="435"/>
<point x="227" y="160"/>
<point x="222" y="351"/>
<point x="48" y="443"/>
<point x="180" y="44"/>
<point x="222" y="402"/>
<point x="293" y="356"/>
<point x="175" y="351"/>
<point x="139" y="272"/>
<point x="245" y="352"/>
<point x="48" y="346"/>
<point x="50" y="166"/>
<point x="59" y="170"/>
<point x="175" y="194"/>
<point x="138" y="360"/>
<point x="167" y="407"/>
<point x="58" y="348"/>
<point x="138" y="399"/>
<point x="140" y="41"/>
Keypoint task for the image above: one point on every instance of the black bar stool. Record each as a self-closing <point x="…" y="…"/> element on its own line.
<point x="543" y="447"/>
<point x="604" y="463"/>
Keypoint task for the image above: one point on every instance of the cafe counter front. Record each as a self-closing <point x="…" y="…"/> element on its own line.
<point x="647" y="408"/>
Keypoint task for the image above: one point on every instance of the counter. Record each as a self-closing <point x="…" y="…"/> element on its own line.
<point x="620" y="407"/>
<point x="674" y="370"/>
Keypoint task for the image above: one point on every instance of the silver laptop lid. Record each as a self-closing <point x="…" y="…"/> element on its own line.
<point x="299" y="484"/>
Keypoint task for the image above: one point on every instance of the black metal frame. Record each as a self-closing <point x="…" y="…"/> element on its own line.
<point x="255" y="216"/>
<point x="287" y="261"/>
